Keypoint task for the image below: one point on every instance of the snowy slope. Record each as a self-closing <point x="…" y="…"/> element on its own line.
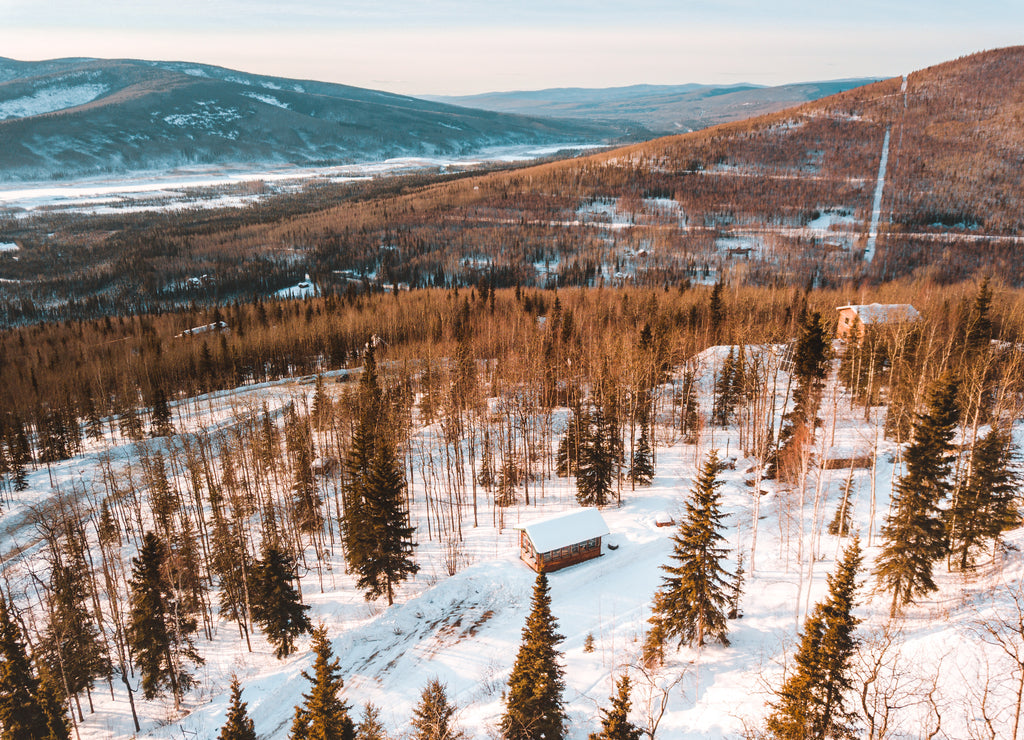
<point x="465" y="628"/>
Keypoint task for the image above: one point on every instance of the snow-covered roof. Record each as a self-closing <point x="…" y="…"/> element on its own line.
<point x="877" y="313"/>
<point x="565" y="529"/>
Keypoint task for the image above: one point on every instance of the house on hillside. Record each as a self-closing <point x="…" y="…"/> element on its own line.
<point x="852" y="318"/>
<point x="560" y="541"/>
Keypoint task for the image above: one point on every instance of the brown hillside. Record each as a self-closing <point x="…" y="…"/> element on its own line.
<point x="776" y="200"/>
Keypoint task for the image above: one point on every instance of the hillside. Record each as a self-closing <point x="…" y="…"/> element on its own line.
<point x="68" y="118"/>
<point x="901" y="178"/>
<point x="661" y="109"/>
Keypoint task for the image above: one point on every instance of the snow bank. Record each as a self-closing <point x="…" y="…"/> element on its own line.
<point x="50" y="99"/>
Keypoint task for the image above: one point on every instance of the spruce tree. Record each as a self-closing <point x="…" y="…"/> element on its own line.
<point x="307" y="501"/>
<point x="434" y="717"/>
<point x="239" y="726"/>
<point x="51" y="701"/>
<point x="275" y="604"/>
<point x="725" y="401"/>
<point x="693" y="597"/>
<point x="161" y="416"/>
<point x="230" y="563"/>
<point x="568" y="453"/>
<point x="597" y="456"/>
<point x="913" y="534"/>
<point x="810" y="367"/>
<point x="72" y="643"/>
<point x="159" y="630"/>
<point x="387" y="557"/>
<point x="615" y="724"/>
<point x="93" y="422"/>
<point x="21" y="713"/>
<point x="323" y="714"/>
<point x="985" y="506"/>
<point x="370" y="727"/>
<point x="641" y="472"/>
<point x="534" y="707"/>
<point x="689" y="408"/>
<point x="361" y="451"/>
<point x="811" y="703"/>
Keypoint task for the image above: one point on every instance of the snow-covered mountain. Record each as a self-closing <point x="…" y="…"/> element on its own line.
<point x="70" y="117"/>
<point x="662" y="109"/>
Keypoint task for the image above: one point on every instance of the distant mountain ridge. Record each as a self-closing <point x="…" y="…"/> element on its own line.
<point x="73" y="117"/>
<point x="660" y="109"/>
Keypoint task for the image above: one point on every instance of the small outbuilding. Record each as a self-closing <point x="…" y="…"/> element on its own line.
<point x="560" y="541"/>
<point x="853" y="317"/>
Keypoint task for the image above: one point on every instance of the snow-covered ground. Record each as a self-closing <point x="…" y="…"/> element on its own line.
<point x="50" y="99"/>
<point x="465" y="628"/>
<point x="303" y="289"/>
<point x="178" y="188"/>
<point x="876" y="206"/>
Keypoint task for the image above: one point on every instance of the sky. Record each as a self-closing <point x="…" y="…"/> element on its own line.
<point x="456" y="47"/>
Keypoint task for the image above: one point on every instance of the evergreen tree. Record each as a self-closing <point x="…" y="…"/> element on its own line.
<point x="365" y="435"/>
<point x="239" y="726"/>
<point x="93" y="422"/>
<point x="51" y="701"/>
<point x="486" y="476"/>
<point x="275" y="604"/>
<point x="568" y="453"/>
<point x="913" y="534"/>
<point x="434" y="717"/>
<point x="307" y="502"/>
<point x="508" y="479"/>
<point x="370" y="727"/>
<point x="716" y="310"/>
<point x="842" y="519"/>
<point x="534" y="707"/>
<point x="387" y="558"/>
<point x="72" y="644"/>
<point x="693" y="596"/>
<point x="810" y="705"/>
<point x="725" y="399"/>
<point x="321" y="403"/>
<point x="159" y="630"/>
<point x="597" y="456"/>
<point x="615" y="724"/>
<point x="810" y="366"/>
<point x="985" y="506"/>
<point x="21" y="713"/>
<point x="161" y="415"/>
<point x="690" y="408"/>
<point x="642" y="470"/>
<point x="229" y="562"/>
<point x="978" y="331"/>
<point x="324" y="714"/>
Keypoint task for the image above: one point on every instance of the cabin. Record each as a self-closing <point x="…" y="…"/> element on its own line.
<point x="560" y="541"/>
<point x="853" y="317"/>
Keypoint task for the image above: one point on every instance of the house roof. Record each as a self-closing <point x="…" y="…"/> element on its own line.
<point x="565" y="529"/>
<point x="879" y="313"/>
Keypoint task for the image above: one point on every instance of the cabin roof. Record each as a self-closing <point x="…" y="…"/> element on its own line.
<point x="879" y="313"/>
<point x="563" y="530"/>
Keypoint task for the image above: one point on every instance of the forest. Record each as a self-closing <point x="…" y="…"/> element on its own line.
<point x="183" y="483"/>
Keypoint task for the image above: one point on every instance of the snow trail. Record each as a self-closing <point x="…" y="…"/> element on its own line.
<point x="876" y="208"/>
